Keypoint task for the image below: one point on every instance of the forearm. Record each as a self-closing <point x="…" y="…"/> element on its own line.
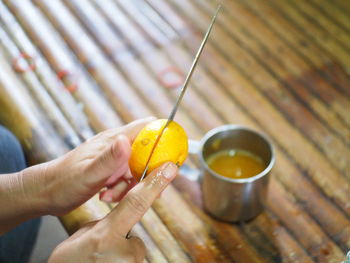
<point x="21" y="197"/>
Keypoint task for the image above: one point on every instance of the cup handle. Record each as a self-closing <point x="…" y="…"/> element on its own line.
<point x="192" y="174"/>
<point x="194" y="147"/>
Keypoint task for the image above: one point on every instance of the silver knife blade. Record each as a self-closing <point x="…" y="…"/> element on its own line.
<point x="184" y="88"/>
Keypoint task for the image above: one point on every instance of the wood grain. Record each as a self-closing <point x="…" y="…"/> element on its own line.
<point x="57" y="55"/>
<point x="280" y="67"/>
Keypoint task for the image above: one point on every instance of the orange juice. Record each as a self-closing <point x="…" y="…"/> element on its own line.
<point x="235" y="163"/>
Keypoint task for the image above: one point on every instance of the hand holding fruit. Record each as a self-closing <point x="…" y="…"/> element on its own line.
<point x="99" y="163"/>
<point x="103" y="162"/>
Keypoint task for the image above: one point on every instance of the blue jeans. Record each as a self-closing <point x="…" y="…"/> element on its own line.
<point x="15" y="246"/>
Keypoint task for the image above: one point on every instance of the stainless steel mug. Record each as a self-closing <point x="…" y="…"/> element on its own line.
<point x="229" y="199"/>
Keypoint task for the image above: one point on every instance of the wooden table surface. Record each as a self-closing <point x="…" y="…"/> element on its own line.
<point x="69" y="69"/>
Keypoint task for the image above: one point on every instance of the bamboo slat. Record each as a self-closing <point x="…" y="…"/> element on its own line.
<point x="60" y="58"/>
<point x="134" y="37"/>
<point x="178" y="256"/>
<point x="311" y="237"/>
<point x="153" y="222"/>
<point x="333" y="12"/>
<point x="153" y="252"/>
<point x="28" y="124"/>
<point x="338" y="50"/>
<point x="163" y="238"/>
<point x="290" y="250"/>
<point x="188" y="229"/>
<point x="342" y="6"/>
<point x="277" y="126"/>
<point x="280" y="67"/>
<point x="92" y="210"/>
<point x="48" y="78"/>
<point x="271" y="88"/>
<point x="231" y="239"/>
<point x="327" y="105"/>
<point x="301" y="44"/>
<point x="340" y="215"/>
<point x="313" y="16"/>
<point x="23" y="118"/>
<point x="40" y="140"/>
<point x="127" y="103"/>
<point x="37" y="91"/>
<point x="158" y="59"/>
<point x="334" y="222"/>
<point x="127" y="63"/>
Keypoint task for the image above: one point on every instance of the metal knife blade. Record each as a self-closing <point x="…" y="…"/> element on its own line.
<point x="183" y="89"/>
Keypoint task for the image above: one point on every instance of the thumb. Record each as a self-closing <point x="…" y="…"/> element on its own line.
<point x="139" y="199"/>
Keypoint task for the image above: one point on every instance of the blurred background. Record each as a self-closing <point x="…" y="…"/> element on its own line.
<point x="72" y="68"/>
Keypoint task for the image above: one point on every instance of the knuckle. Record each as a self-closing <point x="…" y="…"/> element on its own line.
<point x="113" y="150"/>
<point x="137" y="202"/>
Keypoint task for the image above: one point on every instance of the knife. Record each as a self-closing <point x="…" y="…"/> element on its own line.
<point x="183" y="89"/>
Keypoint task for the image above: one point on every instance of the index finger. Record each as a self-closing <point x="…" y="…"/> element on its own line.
<point x="139" y="199"/>
<point x="131" y="130"/>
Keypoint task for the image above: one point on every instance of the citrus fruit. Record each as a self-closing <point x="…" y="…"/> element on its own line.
<point x="172" y="147"/>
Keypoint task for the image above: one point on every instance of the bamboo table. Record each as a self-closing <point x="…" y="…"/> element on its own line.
<point x="72" y="68"/>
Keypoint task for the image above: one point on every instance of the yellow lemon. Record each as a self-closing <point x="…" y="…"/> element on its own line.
<point x="172" y="147"/>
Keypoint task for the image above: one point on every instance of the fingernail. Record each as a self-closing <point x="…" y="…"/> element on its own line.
<point x="169" y="171"/>
<point x="108" y="199"/>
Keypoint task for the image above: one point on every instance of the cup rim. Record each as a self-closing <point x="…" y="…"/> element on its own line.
<point x="228" y="127"/>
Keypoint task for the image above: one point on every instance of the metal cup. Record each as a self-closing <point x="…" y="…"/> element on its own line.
<point x="230" y="199"/>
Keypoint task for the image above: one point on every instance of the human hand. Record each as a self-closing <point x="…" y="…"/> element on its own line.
<point x="100" y="162"/>
<point x="104" y="240"/>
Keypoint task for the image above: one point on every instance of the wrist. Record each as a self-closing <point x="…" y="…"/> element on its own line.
<point x="35" y="193"/>
<point x="19" y="200"/>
